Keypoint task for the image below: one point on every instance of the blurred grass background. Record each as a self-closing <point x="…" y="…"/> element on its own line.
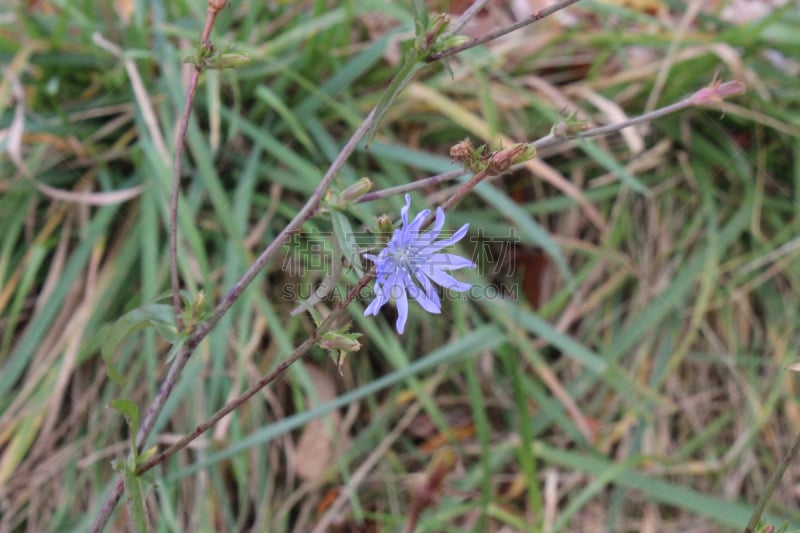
<point x="644" y="388"/>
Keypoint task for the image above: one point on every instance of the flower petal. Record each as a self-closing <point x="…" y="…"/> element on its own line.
<point x="402" y="309"/>
<point x="444" y="243"/>
<point x="438" y="224"/>
<point x="414" y="227"/>
<point x="404" y="211"/>
<point x="449" y="262"/>
<point x="379" y="301"/>
<point x="427" y="298"/>
<point x="447" y="281"/>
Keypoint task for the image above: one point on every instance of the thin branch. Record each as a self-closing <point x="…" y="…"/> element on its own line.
<point x="308" y="210"/>
<point x="562" y="134"/>
<point x="191" y="90"/>
<point x="414" y="185"/>
<point x="157" y="405"/>
<point x="327" y="324"/>
<point x="466" y="16"/>
<point x="535" y="17"/>
<point x="709" y="94"/>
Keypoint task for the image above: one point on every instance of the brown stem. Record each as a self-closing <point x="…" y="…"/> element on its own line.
<point x="326" y="325"/>
<point x="191" y="90"/>
<point x="711" y="94"/>
<point x="535" y="17"/>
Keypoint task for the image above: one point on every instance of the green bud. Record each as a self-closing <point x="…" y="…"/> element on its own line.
<point x="229" y="61"/>
<point x="356" y="191"/>
<point x="385" y="225"/>
<point x="439" y="24"/>
<point x="340" y="341"/>
<point x="454" y="40"/>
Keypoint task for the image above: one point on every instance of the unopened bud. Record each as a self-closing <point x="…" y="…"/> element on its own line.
<point x="229" y="61"/>
<point x="461" y="150"/>
<point x="356" y="190"/>
<point x="385" y="224"/>
<point x="216" y="5"/>
<point x="439" y="24"/>
<point x="339" y="341"/>
<point x="717" y="91"/>
<point x="503" y="159"/>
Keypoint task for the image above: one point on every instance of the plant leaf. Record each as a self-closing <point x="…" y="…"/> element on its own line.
<point x="130" y="411"/>
<point x="411" y="65"/>
<point x="345" y="240"/>
<point x="159" y="316"/>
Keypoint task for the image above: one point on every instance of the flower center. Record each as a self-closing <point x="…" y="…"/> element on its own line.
<point x="402" y="256"/>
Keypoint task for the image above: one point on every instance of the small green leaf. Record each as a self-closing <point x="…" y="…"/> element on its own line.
<point x="173" y="351"/>
<point x="134" y="496"/>
<point x="159" y="316"/>
<point x="345" y="240"/>
<point x="130" y="411"/>
<point x="411" y="65"/>
<point x="420" y="17"/>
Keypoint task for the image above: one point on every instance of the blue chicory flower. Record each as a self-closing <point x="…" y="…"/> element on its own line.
<point x="409" y="256"/>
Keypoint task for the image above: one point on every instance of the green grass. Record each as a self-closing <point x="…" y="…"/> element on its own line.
<point x="645" y="387"/>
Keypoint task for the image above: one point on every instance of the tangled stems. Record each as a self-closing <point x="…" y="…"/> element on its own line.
<point x="199" y="332"/>
<point x="560" y="135"/>
<point x="563" y="133"/>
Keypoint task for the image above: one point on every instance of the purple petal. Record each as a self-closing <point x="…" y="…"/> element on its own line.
<point x="421" y="217"/>
<point x="454" y="238"/>
<point x="438" y="224"/>
<point x="447" y="281"/>
<point x="404" y="211"/>
<point x="402" y="309"/>
<point x="376" y="304"/>
<point x="427" y="298"/>
<point x="449" y="262"/>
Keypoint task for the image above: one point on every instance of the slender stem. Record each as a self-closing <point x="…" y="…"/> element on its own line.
<point x="191" y="90"/>
<point x="713" y="93"/>
<point x="275" y="246"/>
<point x="173" y="201"/>
<point x="464" y="189"/>
<point x="790" y="456"/>
<point x="326" y="325"/>
<point x="157" y="405"/>
<point x="427" y="182"/>
<point x="535" y="17"/>
<point x="554" y="139"/>
<point x="466" y="16"/>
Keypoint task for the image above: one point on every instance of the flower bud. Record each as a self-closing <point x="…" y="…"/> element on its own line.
<point x="461" y="150"/>
<point x="216" y="5"/>
<point x="385" y="224"/>
<point x="229" y="61"/>
<point x="503" y="159"/>
<point x="340" y="341"/>
<point x="356" y="190"/>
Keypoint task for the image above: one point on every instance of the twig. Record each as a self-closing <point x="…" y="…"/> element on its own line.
<point x="310" y="207"/>
<point x="228" y="300"/>
<point x="427" y="182"/>
<point x="191" y="90"/>
<point x="466" y="16"/>
<point x="502" y="31"/>
<point x="562" y="134"/>
<point x="326" y="325"/>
